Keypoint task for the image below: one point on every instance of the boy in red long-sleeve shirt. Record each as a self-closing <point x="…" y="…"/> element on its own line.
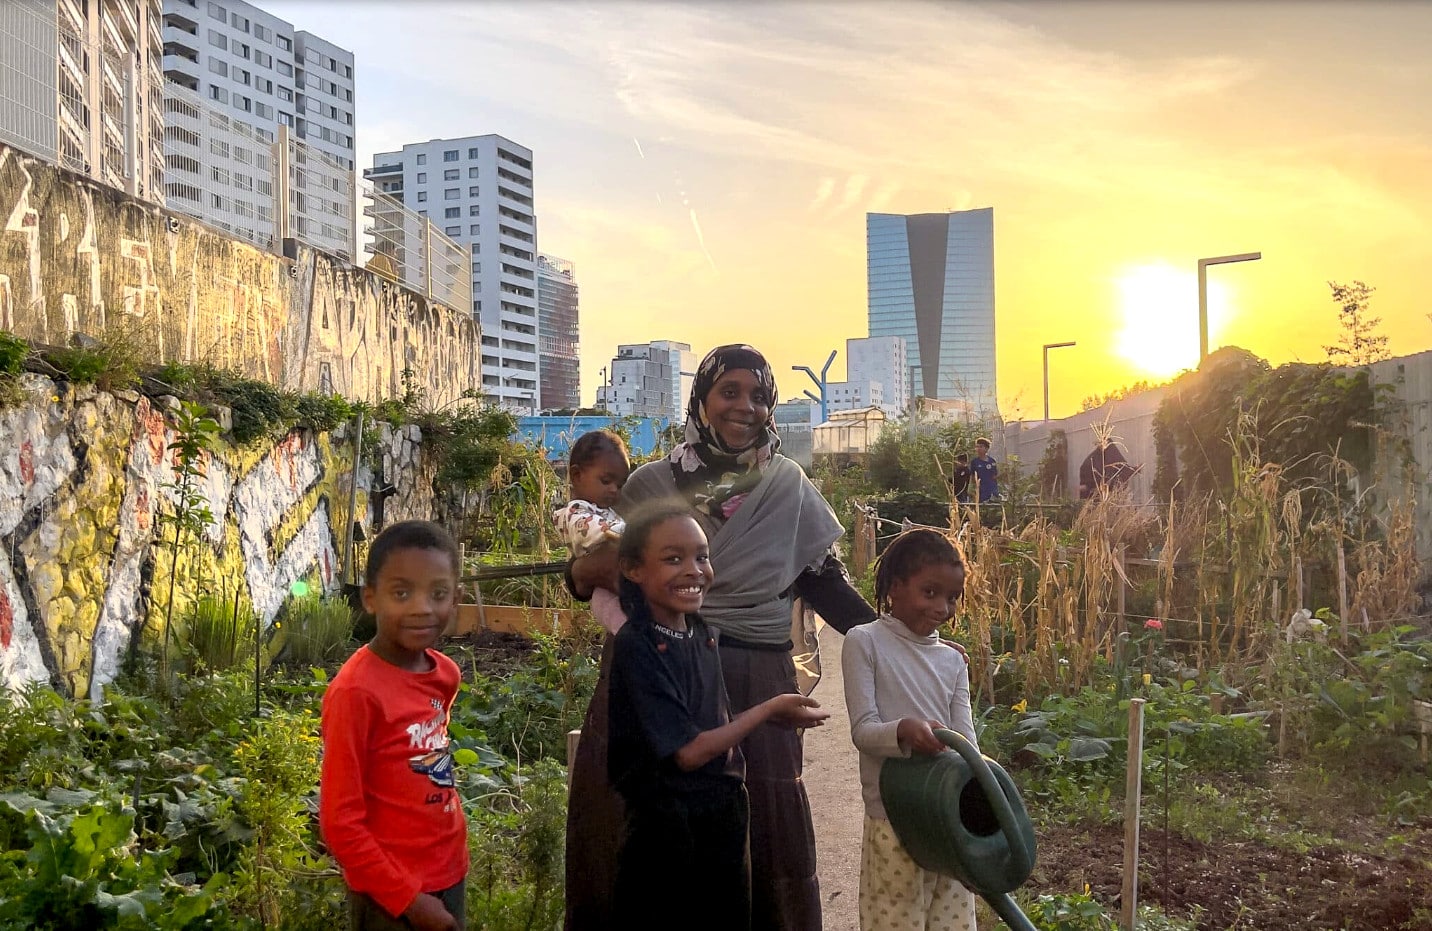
<point x="387" y="806"/>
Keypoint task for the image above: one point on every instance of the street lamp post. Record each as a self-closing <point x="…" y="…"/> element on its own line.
<point x="1203" y="293"/>
<point x="819" y="383"/>
<point x="1047" y="347"/>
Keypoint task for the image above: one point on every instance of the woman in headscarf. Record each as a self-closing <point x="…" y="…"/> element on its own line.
<point x="771" y="536"/>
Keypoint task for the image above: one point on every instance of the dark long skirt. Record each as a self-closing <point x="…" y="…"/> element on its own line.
<point x="785" y="893"/>
<point x="685" y="863"/>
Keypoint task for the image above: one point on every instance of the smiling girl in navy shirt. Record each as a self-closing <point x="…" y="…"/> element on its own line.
<point x="674" y="754"/>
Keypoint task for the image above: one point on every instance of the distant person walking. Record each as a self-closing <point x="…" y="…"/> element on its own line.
<point x="986" y="472"/>
<point x="960" y="479"/>
<point x="1104" y="470"/>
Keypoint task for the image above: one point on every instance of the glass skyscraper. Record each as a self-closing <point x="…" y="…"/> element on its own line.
<point x="931" y="282"/>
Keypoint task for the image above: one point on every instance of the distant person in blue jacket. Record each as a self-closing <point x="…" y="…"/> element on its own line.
<point x="986" y="472"/>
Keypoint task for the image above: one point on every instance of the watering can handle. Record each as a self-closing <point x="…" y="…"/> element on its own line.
<point x="993" y="791"/>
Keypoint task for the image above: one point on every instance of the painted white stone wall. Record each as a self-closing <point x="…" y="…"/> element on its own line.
<point x="85" y="478"/>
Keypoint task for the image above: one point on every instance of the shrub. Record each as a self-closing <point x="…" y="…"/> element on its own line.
<point x="322" y="412"/>
<point x="110" y="362"/>
<point x="316" y="631"/>
<point x="516" y="839"/>
<point x="279" y="762"/>
<point x="13" y="353"/>
<point x="259" y="410"/>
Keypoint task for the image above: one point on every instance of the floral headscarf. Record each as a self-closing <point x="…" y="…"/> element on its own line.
<point x="714" y="478"/>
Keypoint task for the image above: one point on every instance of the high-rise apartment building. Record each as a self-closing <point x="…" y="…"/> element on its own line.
<point x="880" y="360"/>
<point x="559" y="355"/>
<point x="477" y="190"/>
<point x="931" y="282"/>
<point x="81" y="86"/>
<point x="649" y="380"/>
<point x="236" y="76"/>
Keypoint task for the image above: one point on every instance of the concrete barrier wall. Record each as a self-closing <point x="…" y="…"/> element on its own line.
<point x="78" y="257"/>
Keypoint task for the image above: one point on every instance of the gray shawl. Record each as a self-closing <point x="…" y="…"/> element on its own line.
<point x="782" y="528"/>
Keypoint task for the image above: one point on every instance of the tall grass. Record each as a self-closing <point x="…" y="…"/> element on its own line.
<point x="217" y="632"/>
<point x="315" y="630"/>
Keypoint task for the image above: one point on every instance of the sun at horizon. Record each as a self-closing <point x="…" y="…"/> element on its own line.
<point x="1158" y="314"/>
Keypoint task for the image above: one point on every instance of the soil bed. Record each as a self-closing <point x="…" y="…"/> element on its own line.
<point x="1250" y="885"/>
<point x="489" y="652"/>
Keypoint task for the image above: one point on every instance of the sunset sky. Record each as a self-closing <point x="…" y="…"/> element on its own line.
<point x="708" y="166"/>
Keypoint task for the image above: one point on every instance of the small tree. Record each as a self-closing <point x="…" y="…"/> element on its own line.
<point x="1359" y="344"/>
<point x="196" y="436"/>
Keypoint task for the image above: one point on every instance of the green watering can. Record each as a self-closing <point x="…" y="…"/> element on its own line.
<point x="960" y="814"/>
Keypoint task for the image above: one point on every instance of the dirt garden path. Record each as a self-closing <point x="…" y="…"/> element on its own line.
<point x="832" y="776"/>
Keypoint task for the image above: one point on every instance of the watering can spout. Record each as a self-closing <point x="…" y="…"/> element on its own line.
<point x="960" y="814"/>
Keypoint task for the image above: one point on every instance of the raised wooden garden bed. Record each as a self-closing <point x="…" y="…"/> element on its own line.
<point x="513" y="619"/>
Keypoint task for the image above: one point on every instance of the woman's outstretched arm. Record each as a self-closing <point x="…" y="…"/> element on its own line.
<point x="828" y="590"/>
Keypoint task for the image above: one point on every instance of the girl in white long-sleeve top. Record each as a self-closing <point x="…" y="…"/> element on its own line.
<point x="901" y="682"/>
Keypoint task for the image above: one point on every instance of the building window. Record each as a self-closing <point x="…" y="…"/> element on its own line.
<point x="422" y="159"/>
<point x="283" y="42"/>
<point x="472" y="191"/>
<point x="218" y="66"/>
<point x="451" y="155"/>
<point x="241" y="76"/>
<point x="453" y="230"/>
<point x="422" y="176"/>
<point x="474" y="230"/>
<point x="263" y="58"/>
<point x="475" y="210"/>
<point x="348" y="72"/>
<point x="285" y="69"/>
<point x="472" y="172"/>
<point x="285" y="118"/>
<point x="218" y="39"/>
<point x="452" y="213"/>
<point x="218" y="12"/>
<point x="263" y="111"/>
<point x="451" y="193"/>
<point x="239" y="23"/>
<point x="422" y="196"/>
<point x="477" y="268"/>
<point x="218" y="93"/>
<point x="472" y="153"/>
<point x="452" y="174"/>
<point x="262" y="33"/>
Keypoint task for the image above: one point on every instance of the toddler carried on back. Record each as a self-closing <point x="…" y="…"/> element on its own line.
<point x="597" y="468"/>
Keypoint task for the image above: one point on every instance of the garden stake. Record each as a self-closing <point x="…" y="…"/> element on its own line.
<point x="348" y="567"/>
<point x="1133" y="786"/>
<point x="1167" y="737"/>
<point x="258" y="651"/>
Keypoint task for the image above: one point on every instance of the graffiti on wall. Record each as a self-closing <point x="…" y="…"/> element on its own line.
<point x="82" y="488"/>
<point x="76" y="257"/>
